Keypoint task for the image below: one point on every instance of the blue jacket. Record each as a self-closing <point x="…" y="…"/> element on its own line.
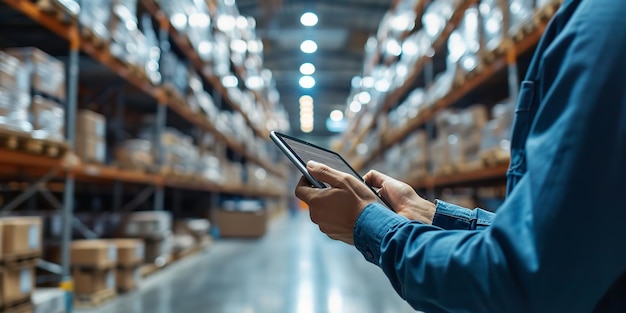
<point x="556" y="244"/>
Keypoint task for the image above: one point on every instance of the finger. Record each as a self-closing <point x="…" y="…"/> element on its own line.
<point x="304" y="190"/>
<point x="376" y="179"/>
<point x="327" y="174"/>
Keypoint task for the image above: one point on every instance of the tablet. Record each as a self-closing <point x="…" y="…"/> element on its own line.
<point x="300" y="152"/>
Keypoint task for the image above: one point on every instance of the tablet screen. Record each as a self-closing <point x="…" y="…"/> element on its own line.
<point x="309" y="153"/>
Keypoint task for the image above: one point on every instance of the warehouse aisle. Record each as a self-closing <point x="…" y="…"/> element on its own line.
<point x="293" y="269"/>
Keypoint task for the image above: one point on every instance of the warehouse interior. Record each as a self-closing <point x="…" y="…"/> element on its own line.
<point x="136" y="169"/>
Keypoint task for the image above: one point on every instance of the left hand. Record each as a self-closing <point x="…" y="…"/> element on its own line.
<point x="335" y="209"/>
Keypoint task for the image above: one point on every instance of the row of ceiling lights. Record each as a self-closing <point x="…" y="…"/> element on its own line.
<point x="307" y="81"/>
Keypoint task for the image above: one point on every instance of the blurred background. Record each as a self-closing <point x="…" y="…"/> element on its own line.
<point x="136" y="172"/>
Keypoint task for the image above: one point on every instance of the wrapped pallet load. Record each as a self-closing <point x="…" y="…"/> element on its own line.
<point x="155" y="228"/>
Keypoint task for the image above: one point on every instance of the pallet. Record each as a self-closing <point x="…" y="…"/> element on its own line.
<point x="123" y="291"/>
<point x="24" y="305"/>
<point x="151" y="268"/>
<point x="61" y="12"/>
<point x="95" y="299"/>
<point x="23" y="141"/>
<point x="21" y="259"/>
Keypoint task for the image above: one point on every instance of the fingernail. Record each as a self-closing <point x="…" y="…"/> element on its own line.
<point x="311" y="164"/>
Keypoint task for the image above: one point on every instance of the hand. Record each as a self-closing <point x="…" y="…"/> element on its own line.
<point x="403" y="199"/>
<point x="335" y="209"/>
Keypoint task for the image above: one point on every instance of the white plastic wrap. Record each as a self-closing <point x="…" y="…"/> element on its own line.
<point x="520" y="13"/>
<point x="494" y="16"/>
<point x="14" y="109"/>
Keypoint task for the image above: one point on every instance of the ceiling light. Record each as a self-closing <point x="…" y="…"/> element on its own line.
<point x="306" y="129"/>
<point x="355" y="106"/>
<point x="308" y="46"/>
<point x="307" y="82"/>
<point x="336" y="115"/>
<point x="307" y="69"/>
<point x="306" y="99"/>
<point x="242" y="22"/>
<point x="308" y="19"/>
<point x="304" y="119"/>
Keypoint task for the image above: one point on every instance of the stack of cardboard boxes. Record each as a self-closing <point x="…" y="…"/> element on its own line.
<point x="93" y="269"/>
<point x="155" y="229"/>
<point x="91" y="137"/>
<point x="130" y="255"/>
<point x="21" y="249"/>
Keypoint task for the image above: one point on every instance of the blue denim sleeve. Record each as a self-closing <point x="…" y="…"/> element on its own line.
<point x="450" y="216"/>
<point x="554" y="244"/>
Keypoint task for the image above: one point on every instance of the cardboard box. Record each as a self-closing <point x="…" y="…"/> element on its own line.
<point x="21" y="236"/>
<point x="130" y="252"/>
<point x="128" y="278"/>
<point x="158" y="249"/>
<point x="93" y="254"/>
<point x="48" y="119"/>
<point x="17" y="284"/>
<point x="241" y="224"/>
<point x="90" y="281"/>
<point x="90" y="123"/>
<point x="90" y="148"/>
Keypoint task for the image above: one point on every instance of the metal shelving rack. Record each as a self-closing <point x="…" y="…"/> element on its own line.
<point x="17" y="163"/>
<point x="514" y="48"/>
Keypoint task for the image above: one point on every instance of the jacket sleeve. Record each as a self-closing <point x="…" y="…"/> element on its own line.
<point x="554" y="244"/>
<point x="450" y="216"/>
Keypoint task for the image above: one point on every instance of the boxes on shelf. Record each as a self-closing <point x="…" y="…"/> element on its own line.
<point x="48" y="300"/>
<point x="47" y="118"/>
<point x="21" y="237"/>
<point x="93" y="281"/>
<point x="13" y="74"/>
<point x="91" y="136"/>
<point x="93" y="254"/>
<point x="155" y="228"/>
<point x="94" y="17"/>
<point x="130" y="252"/>
<point x="520" y="13"/>
<point x="130" y="257"/>
<point x="17" y="283"/>
<point x="14" y="109"/>
<point x="495" y="136"/>
<point x="198" y="228"/>
<point x="135" y="154"/>
<point x="245" y="218"/>
<point x="47" y="74"/>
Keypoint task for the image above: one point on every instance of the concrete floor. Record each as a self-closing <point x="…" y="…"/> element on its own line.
<point x="293" y="269"/>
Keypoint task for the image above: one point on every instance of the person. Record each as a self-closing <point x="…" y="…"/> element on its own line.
<point x="555" y="244"/>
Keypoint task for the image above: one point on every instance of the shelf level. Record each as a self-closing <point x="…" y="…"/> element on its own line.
<point x="455" y="95"/>
<point x="497" y="173"/>
<point x="397" y="94"/>
<point x="185" y="46"/>
<point x="14" y="162"/>
<point x="70" y="32"/>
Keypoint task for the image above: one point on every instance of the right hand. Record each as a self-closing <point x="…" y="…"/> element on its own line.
<point x="402" y="198"/>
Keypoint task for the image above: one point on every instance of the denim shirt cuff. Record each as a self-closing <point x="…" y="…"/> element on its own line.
<point x="450" y="216"/>
<point x="371" y="226"/>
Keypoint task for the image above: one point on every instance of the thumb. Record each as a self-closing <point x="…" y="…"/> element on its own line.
<point x="326" y="174"/>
